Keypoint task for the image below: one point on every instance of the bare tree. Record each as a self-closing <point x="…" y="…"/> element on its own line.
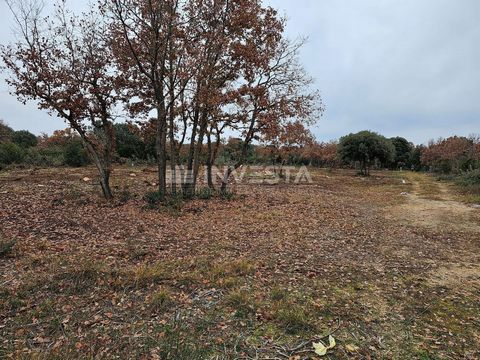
<point x="64" y="64"/>
<point x="144" y="33"/>
<point x="276" y="91"/>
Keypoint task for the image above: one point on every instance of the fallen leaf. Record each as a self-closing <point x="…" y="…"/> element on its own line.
<point x="351" y="348"/>
<point x="332" y="342"/>
<point x="320" y="349"/>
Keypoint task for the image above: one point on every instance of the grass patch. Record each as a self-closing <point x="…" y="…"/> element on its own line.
<point x="146" y="275"/>
<point x="227" y="195"/>
<point x="228" y="275"/>
<point x="278" y="294"/>
<point x="79" y="278"/>
<point x="242" y="302"/>
<point x="177" y="342"/>
<point x="161" y="301"/>
<point x="293" y="316"/>
<point x="172" y="204"/>
<point x="124" y="196"/>
<point x="241" y="267"/>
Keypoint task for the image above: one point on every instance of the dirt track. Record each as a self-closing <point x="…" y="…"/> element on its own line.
<point x="438" y="211"/>
<point x="432" y="205"/>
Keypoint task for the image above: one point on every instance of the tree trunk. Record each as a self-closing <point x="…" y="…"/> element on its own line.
<point x="187" y="178"/>
<point x="198" y="148"/>
<point x="210" y="162"/>
<point x="161" y="147"/>
<point x="105" y="184"/>
<point x="103" y="171"/>
<point x="173" y="153"/>
<point x="230" y="170"/>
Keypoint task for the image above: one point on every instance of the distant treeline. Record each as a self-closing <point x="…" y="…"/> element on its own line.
<point x="364" y="150"/>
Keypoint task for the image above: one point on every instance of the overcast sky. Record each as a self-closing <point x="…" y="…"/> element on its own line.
<point x="399" y="67"/>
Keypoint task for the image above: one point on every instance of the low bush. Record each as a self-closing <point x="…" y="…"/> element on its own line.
<point x="45" y="157"/>
<point x="153" y="199"/>
<point x="11" y="153"/>
<point x="205" y="193"/>
<point x="75" y="154"/>
<point x="469" y="179"/>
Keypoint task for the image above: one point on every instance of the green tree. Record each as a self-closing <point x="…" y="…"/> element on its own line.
<point x="416" y="157"/>
<point x="129" y="144"/>
<point x="403" y="152"/>
<point x="25" y="139"/>
<point x="10" y="153"/>
<point x="366" y="147"/>
<point x="5" y="132"/>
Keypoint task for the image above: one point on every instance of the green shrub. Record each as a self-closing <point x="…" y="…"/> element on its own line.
<point x="75" y="154"/>
<point x="11" y="153"/>
<point x="5" y="134"/>
<point x="25" y="139"/>
<point x="227" y="195"/>
<point x="6" y="247"/>
<point x="153" y="199"/>
<point x="44" y="157"/>
<point x="173" y="204"/>
<point x="129" y="143"/>
<point x="205" y="193"/>
<point x="469" y="179"/>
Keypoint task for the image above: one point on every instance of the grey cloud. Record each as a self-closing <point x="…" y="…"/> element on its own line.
<point x="406" y="67"/>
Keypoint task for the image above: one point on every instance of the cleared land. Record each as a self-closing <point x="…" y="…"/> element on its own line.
<point x="391" y="275"/>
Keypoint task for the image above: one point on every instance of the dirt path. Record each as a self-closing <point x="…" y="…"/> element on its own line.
<point x="432" y="205"/>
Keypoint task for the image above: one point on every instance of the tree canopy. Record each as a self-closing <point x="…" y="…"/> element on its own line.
<point x="403" y="152"/>
<point x="366" y="147"/>
<point x="24" y="139"/>
<point x="5" y="131"/>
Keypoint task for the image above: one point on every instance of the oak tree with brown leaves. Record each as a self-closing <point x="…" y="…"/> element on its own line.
<point x="276" y="92"/>
<point x="63" y="63"/>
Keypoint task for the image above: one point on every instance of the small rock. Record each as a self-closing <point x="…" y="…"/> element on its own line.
<point x="405" y="194"/>
<point x="133" y="175"/>
<point x="86" y="179"/>
<point x="476" y="206"/>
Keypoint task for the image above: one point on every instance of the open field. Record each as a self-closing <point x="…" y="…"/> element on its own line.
<point x="389" y="265"/>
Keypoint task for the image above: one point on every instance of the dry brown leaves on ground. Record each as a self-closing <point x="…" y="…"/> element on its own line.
<point x="259" y="276"/>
